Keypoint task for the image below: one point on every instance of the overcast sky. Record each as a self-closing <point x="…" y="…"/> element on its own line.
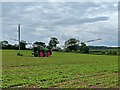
<point x="42" y="20"/>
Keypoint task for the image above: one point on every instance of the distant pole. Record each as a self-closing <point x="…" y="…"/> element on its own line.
<point x="19" y="36"/>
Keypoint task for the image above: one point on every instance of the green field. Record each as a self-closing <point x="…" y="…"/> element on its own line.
<point x="61" y="70"/>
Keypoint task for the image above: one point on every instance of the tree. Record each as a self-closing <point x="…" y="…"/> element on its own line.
<point x="53" y="43"/>
<point x="40" y="43"/>
<point x="22" y="45"/>
<point x="84" y="48"/>
<point x="4" y="44"/>
<point x="72" y="44"/>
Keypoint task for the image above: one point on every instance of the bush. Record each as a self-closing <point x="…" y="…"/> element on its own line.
<point x="110" y="53"/>
<point x="103" y="53"/>
<point x="114" y="53"/>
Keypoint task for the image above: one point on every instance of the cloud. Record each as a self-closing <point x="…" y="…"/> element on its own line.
<point x="81" y="20"/>
<point x="71" y="21"/>
<point x="58" y="1"/>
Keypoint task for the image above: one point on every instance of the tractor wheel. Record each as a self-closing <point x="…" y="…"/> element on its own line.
<point x="35" y="55"/>
<point x="48" y="53"/>
<point x="41" y="54"/>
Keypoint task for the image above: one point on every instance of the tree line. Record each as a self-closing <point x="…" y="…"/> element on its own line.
<point x="71" y="44"/>
<point x="52" y="44"/>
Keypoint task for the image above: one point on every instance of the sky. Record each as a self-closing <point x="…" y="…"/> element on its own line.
<point x="42" y="20"/>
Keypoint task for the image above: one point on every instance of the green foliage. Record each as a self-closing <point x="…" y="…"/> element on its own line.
<point x="72" y="44"/>
<point x="6" y="45"/>
<point x="61" y="70"/>
<point x="110" y="52"/>
<point x="22" y="46"/>
<point x="84" y="48"/>
<point x="73" y="48"/>
<point x="40" y="43"/>
<point x="53" y="43"/>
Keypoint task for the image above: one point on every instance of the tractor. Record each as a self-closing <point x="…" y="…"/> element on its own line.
<point x="40" y="51"/>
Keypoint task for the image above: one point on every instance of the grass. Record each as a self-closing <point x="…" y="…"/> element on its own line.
<point x="61" y="70"/>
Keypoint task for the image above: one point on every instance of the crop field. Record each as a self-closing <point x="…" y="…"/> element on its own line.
<point x="61" y="70"/>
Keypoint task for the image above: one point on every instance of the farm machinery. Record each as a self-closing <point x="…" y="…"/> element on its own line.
<point x="37" y="50"/>
<point x="41" y="51"/>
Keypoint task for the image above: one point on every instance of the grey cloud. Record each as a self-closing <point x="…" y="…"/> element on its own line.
<point x="57" y="19"/>
<point x="82" y="5"/>
<point x="76" y="21"/>
<point x="95" y="19"/>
